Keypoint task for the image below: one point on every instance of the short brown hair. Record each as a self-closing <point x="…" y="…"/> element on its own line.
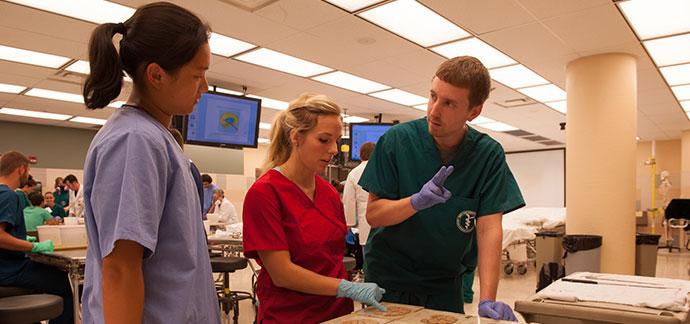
<point x="365" y="150"/>
<point x="10" y="161"/>
<point x="469" y="73"/>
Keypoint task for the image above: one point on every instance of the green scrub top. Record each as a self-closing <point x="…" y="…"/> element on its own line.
<point x="23" y="200"/>
<point x="422" y="259"/>
<point x="61" y="198"/>
<point x="35" y="216"/>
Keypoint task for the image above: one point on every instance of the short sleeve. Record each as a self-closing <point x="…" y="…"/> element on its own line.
<point x="46" y="215"/>
<point x="499" y="192"/>
<point x="262" y="221"/>
<point x="9" y="209"/>
<point x="128" y="191"/>
<point x="380" y="177"/>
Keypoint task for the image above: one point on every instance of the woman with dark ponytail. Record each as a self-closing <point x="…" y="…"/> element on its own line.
<point x="147" y="258"/>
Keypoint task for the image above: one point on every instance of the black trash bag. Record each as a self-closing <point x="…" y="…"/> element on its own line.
<point x="574" y="243"/>
<point x="647" y="239"/>
<point x="549" y="273"/>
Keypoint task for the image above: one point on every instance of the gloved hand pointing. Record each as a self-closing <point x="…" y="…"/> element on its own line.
<point x="496" y="310"/>
<point x="433" y="192"/>
<point x="45" y="246"/>
<point x="367" y="293"/>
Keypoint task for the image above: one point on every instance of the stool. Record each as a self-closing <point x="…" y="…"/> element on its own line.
<point x="9" y="291"/>
<point x="24" y="309"/>
<point x="677" y="224"/>
<point x="229" y="299"/>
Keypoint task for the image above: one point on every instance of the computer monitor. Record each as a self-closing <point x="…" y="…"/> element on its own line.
<point x="224" y="120"/>
<point x="365" y="132"/>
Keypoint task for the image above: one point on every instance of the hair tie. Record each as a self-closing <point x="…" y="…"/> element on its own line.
<point x="120" y="28"/>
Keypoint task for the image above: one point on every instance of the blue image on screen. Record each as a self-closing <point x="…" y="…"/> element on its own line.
<point x="224" y="120"/>
<point x="363" y="133"/>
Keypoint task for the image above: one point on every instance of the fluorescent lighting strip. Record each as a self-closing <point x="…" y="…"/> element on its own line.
<point x="264" y="140"/>
<point x="117" y="104"/>
<point x="88" y="120"/>
<point x="33" y="114"/>
<point x="517" y="76"/>
<point x="350" y="82"/>
<point x="55" y="95"/>
<point x="489" y="56"/>
<point x="95" y="11"/>
<point x="685" y="105"/>
<point x="481" y="120"/>
<point x="30" y="57"/>
<point x="223" y="90"/>
<point x="227" y="46"/>
<point x="80" y="66"/>
<point x="353" y="5"/>
<point x="428" y="27"/>
<point x="11" y="88"/>
<point x="400" y="97"/>
<point x="560" y="106"/>
<point x="422" y="107"/>
<point x="497" y="127"/>
<point x="282" y="62"/>
<point x="652" y="19"/>
<point x="682" y="92"/>
<point x="265" y="126"/>
<point x="271" y="103"/>
<point x="676" y="74"/>
<point x="354" y="119"/>
<point x="544" y="93"/>
<point x="669" y="50"/>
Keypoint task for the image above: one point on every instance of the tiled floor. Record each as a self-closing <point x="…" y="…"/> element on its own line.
<point x="514" y="287"/>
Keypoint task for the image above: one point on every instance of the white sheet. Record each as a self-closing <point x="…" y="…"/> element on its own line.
<point x="657" y="293"/>
<point x="523" y="223"/>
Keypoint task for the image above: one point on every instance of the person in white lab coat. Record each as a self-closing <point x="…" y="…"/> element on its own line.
<point x="355" y="198"/>
<point x="76" y="196"/>
<point x="223" y="208"/>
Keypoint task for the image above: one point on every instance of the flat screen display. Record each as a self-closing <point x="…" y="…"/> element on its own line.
<point x="224" y="120"/>
<point x="365" y="132"/>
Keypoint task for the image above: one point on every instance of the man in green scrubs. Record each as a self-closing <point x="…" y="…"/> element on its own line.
<point x="437" y="192"/>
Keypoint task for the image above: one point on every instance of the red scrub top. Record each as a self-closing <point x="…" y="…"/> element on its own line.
<point x="277" y="215"/>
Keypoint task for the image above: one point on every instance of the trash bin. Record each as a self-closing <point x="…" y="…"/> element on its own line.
<point x="582" y="253"/>
<point x="645" y="254"/>
<point x="549" y="248"/>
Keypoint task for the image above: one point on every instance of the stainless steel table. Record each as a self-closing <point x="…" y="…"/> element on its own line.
<point x="71" y="261"/>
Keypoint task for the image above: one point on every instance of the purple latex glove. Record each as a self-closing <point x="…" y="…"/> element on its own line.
<point x="496" y="310"/>
<point x="433" y="192"/>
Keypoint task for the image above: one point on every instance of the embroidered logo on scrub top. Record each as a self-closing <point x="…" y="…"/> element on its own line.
<point x="466" y="220"/>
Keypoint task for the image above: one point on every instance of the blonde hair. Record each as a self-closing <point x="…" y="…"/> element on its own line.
<point x="301" y="115"/>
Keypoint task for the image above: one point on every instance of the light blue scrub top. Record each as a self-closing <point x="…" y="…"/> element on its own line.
<point x="208" y="196"/>
<point x="138" y="186"/>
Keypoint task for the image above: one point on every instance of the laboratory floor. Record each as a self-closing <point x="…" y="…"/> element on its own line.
<point x="511" y="288"/>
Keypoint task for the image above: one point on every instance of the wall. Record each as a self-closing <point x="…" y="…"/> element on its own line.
<point x="253" y="159"/>
<point x="540" y="176"/>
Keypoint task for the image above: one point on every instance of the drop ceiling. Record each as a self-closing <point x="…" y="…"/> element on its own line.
<point x="543" y="35"/>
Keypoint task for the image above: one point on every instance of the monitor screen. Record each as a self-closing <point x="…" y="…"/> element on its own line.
<point x="224" y="120"/>
<point x="362" y="133"/>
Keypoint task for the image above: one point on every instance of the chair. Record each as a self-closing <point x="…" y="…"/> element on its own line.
<point x="21" y="306"/>
<point x="677" y="216"/>
<point x="229" y="299"/>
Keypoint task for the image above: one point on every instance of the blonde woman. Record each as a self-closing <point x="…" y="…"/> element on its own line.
<point x="294" y="225"/>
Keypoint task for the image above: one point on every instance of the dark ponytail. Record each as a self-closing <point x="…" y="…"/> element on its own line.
<point x="159" y="32"/>
<point x="104" y="83"/>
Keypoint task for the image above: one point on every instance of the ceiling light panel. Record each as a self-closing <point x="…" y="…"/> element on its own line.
<point x="354" y="119"/>
<point x="55" y="95"/>
<point x="117" y="104"/>
<point x="33" y="114"/>
<point x="428" y="28"/>
<point x="498" y="127"/>
<point x="517" y="76"/>
<point x="283" y="62"/>
<point x="353" y="5"/>
<point x="423" y="107"/>
<point x="227" y="46"/>
<point x="669" y="50"/>
<point x="481" y="120"/>
<point x="651" y="18"/>
<point x="544" y="93"/>
<point x="682" y="92"/>
<point x="400" y="97"/>
<point x="685" y="105"/>
<point x="30" y="57"/>
<point x="271" y="103"/>
<point x="676" y="74"/>
<point x="488" y="55"/>
<point x="264" y="140"/>
<point x="266" y="126"/>
<point x="95" y="11"/>
<point x="560" y="106"/>
<point x="79" y="67"/>
<point x="223" y="90"/>
<point x="11" y="88"/>
<point x="89" y="120"/>
<point x="350" y="82"/>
